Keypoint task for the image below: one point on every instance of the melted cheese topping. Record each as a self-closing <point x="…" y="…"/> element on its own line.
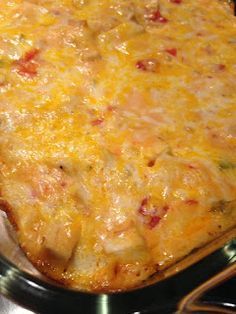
<point x="117" y="133"/>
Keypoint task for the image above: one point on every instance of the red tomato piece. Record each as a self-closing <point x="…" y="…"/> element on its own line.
<point x="191" y="202"/>
<point x="97" y="122"/>
<point x="172" y="51"/>
<point x="156" y="16"/>
<point x="154" y="222"/>
<point x="30" y="55"/>
<point x="27" y="65"/>
<point x="221" y="67"/>
<point x="151" y="163"/>
<point x="150" y="215"/>
<point x="176" y="1"/>
<point x="148" y="65"/>
<point x="142" y="209"/>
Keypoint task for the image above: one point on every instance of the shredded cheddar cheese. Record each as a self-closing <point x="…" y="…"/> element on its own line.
<point x="117" y="133"/>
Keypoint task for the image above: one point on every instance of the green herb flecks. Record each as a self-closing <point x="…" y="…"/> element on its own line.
<point x="225" y="165"/>
<point x="224" y="207"/>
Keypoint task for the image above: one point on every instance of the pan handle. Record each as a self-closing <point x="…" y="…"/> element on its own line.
<point x="192" y="303"/>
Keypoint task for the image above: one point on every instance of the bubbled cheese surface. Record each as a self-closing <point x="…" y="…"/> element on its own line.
<point x="117" y="133"/>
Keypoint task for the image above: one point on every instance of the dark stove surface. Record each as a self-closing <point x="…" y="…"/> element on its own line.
<point x="8" y="307"/>
<point x="225" y="293"/>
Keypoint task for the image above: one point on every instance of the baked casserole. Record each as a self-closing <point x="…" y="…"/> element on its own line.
<point x="117" y="134"/>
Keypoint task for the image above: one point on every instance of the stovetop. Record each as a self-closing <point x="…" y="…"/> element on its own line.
<point x="8" y="307"/>
<point x="225" y="293"/>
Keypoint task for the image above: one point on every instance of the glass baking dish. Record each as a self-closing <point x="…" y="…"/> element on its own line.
<point x="178" y="288"/>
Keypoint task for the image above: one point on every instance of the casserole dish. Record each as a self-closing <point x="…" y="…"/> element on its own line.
<point x="168" y="293"/>
<point x="118" y="141"/>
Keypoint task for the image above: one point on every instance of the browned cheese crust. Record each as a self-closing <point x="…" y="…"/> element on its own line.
<point x="117" y="134"/>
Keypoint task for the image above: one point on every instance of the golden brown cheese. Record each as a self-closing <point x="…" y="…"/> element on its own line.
<point x="117" y="133"/>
